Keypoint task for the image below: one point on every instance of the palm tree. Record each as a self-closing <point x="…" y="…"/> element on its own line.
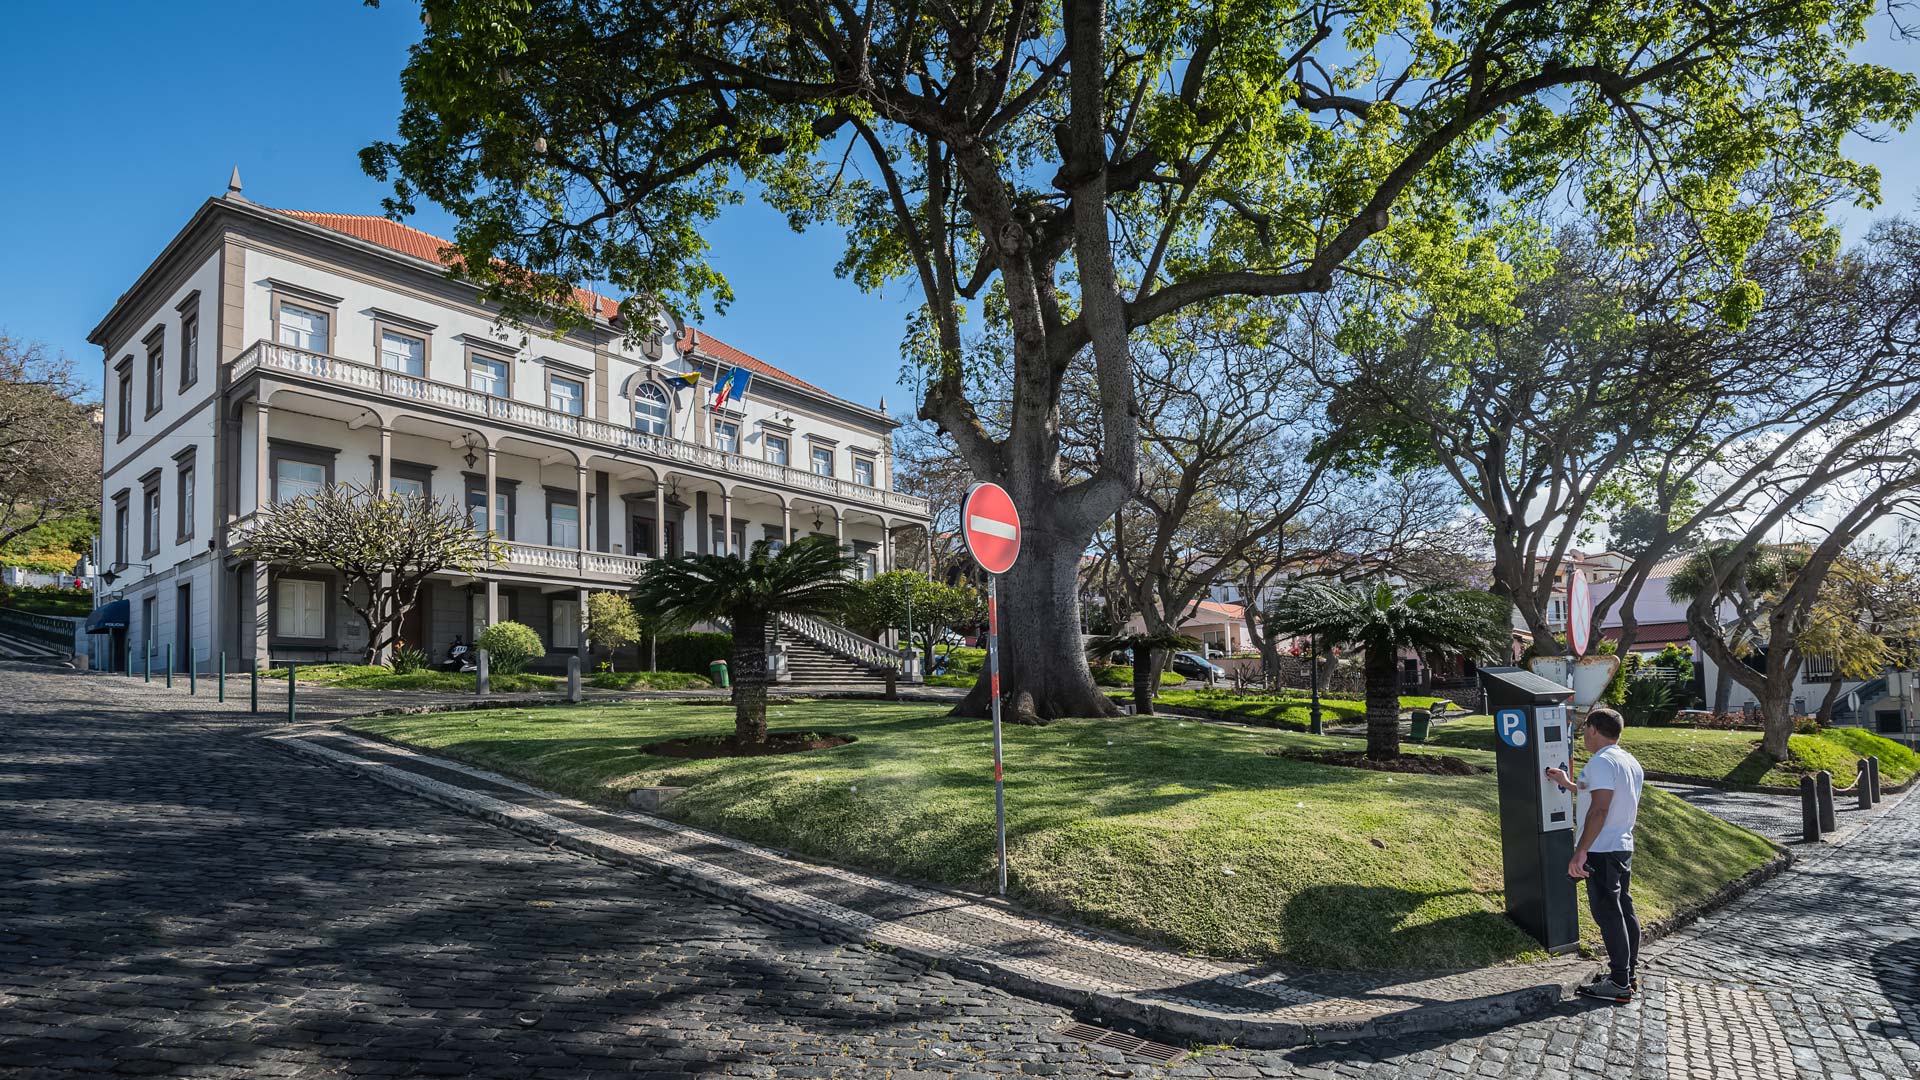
<point x="807" y="577"/>
<point x="1143" y="648"/>
<point x="1383" y="620"/>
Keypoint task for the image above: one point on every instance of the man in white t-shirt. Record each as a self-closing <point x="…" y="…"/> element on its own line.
<point x="1610" y="785"/>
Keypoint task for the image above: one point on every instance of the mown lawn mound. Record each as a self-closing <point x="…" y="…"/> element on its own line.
<point x="376" y="677"/>
<point x="1196" y="835"/>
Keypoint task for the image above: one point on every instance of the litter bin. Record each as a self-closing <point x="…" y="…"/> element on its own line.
<point x="1422" y="721"/>
<point x="717" y="671"/>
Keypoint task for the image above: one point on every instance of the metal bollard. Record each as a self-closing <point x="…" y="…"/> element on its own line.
<point x="1809" y="811"/>
<point x="573" y="679"/>
<point x="1823" y="790"/>
<point x="193" y="673"/>
<point x="481" y="679"/>
<point x="146" y="670"/>
<point x="293" y="684"/>
<point x="1873" y="774"/>
<point x="169" y="665"/>
<point x="1863" y="785"/>
<point x="223" y="676"/>
<point x="253" y="688"/>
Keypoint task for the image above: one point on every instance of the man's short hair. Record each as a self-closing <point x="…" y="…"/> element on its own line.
<point x="1607" y="722"/>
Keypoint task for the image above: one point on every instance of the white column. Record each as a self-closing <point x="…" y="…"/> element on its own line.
<point x="886" y="548"/>
<point x="486" y="516"/>
<point x="493" y="602"/>
<point x="786" y="524"/>
<point x="726" y="523"/>
<point x="580" y="510"/>
<point x="839" y="527"/>
<point x="659" y="519"/>
<point x="262" y="479"/>
<point x="386" y="461"/>
<point x="583" y="650"/>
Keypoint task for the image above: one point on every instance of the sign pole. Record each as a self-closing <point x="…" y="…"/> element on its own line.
<point x="993" y="667"/>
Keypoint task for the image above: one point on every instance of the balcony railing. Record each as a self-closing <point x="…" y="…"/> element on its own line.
<point x="286" y="360"/>
<point x="571" y="563"/>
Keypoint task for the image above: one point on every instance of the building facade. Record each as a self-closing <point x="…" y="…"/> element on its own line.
<point x="266" y="353"/>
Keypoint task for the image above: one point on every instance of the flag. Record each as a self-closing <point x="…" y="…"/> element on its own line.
<point x="730" y="386"/>
<point x="687" y="378"/>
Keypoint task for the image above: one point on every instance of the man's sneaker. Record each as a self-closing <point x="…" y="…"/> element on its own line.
<point x="1635" y="982"/>
<point x="1604" y="988"/>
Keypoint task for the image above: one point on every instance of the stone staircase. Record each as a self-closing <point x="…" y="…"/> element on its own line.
<point x="810" y="665"/>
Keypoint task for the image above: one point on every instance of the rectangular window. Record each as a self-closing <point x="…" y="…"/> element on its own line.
<point x="123" y="420"/>
<point x="863" y="471"/>
<point x="563" y="524"/>
<point x="156" y="373"/>
<point x="777" y="450"/>
<point x="487" y="375"/>
<point x="566" y="395"/>
<point x="726" y="436"/>
<point x="300" y="609"/>
<point x="869" y="565"/>
<point x="150" y="520"/>
<point x="403" y="353"/>
<point x="303" y="328"/>
<point x="184" y="499"/>
<point x="409" y="485"/>
<point x="189" y="350"/>
<point x="566" y="624"/>
<point x="502" y="511"/>
<point x="293" y="479"/>
<point x="122" y="532"/>
<point x="823" y="461"/>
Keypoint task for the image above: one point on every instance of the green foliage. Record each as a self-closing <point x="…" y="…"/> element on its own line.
<point x="1647" y="701"/>
<point x="510" y="646"/>
<point x="806" y="577"/>
<point x="963" y="658"/>
<point x="1677" y="659"/>
<point x="47" y="599"/>
<point x="408" y="659"/>
<point x="426" y="681"/>
<point x="648" y="680"/>
<point x="692" y="653"/>
<point x="1813" y="753"/>
<point x="1122" y="675"/>
<point x="909" y="600"/>
<point x="1898" y="763"/>
<point x="611" y="621"/>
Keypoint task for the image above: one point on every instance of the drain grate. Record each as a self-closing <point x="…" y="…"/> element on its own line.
<point x="1126" y="1044"/>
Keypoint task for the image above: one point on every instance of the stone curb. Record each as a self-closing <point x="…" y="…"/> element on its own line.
<point x="1180" y="1021"/>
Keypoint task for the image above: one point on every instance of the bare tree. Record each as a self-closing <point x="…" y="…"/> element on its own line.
<point x="383" y="546"/>
<point x="49" y="440"/>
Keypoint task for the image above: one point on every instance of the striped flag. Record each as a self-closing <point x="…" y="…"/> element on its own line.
<point x="687" y="378"/>
<point x="730" y="386"/>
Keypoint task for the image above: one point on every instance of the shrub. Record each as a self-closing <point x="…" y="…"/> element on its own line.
<point x="408" y="659"/>
<point x="692" y="652"/>
<point x="1647" y="702"/>
<point x="510" y="646"/>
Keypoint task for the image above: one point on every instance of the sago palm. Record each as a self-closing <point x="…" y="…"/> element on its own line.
<point x="807" y="577"/>
<point x="1142" y="648"/>
<point x="1382" y="620"/>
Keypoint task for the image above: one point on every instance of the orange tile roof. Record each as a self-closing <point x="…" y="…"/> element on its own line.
<point x="408" y="240"/>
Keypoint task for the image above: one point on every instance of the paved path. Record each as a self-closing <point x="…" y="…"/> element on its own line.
<point x="177" y="897"/>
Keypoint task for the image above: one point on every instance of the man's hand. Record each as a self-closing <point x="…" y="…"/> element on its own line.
<point x="1577" y="869"/>
<point x="1560" y="777"/>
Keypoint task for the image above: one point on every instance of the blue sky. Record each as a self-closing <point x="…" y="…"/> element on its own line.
<point x="120" y="118"/>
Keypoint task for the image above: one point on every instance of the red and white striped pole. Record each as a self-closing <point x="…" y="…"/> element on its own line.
<point x="993" y="668"/>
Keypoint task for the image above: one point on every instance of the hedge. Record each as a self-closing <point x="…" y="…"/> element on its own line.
<point x="691" y="653"/>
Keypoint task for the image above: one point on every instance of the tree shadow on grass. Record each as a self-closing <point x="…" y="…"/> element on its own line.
<point x="1381" y="926"/>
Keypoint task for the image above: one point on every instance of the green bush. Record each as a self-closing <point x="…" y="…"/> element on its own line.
<point x="407" y="659"/>
<point x="693" y="653"/>
<point x="47" y="599"/>
<point x="510" y="646"/>
<point x="648" y="680"/>
<point x="1647" y="702"/>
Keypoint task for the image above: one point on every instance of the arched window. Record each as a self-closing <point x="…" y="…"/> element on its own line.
<point x="650" y="409"/>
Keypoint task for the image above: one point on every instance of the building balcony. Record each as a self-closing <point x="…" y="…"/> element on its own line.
<point x="299" y="366"/>
<point x="572" y="565"/>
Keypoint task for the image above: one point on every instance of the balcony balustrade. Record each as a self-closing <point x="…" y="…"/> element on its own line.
<point x="300" y="365"/>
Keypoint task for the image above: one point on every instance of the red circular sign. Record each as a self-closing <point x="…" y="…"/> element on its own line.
<point x="991" y="527"/>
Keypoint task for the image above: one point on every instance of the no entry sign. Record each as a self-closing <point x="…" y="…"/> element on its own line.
<point x="991" y="527"/>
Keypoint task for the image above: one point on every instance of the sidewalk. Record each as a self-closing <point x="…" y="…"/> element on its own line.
<point x="1120" y="983"/>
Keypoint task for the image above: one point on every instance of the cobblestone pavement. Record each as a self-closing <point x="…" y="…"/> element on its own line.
<point x="1776" y="817"/>
<point x="175" y="899"/>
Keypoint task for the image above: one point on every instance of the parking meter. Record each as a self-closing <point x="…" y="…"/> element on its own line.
<point x="1534" y="729"/>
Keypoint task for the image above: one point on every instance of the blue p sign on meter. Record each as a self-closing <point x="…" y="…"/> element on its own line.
<point x="1512" y="725"/>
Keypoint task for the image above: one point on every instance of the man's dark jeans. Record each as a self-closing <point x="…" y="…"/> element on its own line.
<point x="1610" y="900"/>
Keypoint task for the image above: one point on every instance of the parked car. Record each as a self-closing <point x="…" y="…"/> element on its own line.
<point x="1194" y="666"/>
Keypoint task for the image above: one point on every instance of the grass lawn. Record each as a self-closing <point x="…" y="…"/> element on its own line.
<point x="1283" y="710"/>
<point x="1728" y="756"/>
<point x="648" y="680"/>
<point x="1189" y="833"/>
<point x="374" y="677"/>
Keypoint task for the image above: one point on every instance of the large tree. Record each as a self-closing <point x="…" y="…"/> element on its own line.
<point x="1072" y="172"/>
<point x="49" y="440"/>
<point x="383" y="546"/>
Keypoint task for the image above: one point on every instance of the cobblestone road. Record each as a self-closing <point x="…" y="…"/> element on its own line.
<point x="176" y="899"/>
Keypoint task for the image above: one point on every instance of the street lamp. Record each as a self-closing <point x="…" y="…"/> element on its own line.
<point x="109" y="575"/>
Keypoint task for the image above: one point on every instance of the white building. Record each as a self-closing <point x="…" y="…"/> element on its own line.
<point x="265" y="353"/>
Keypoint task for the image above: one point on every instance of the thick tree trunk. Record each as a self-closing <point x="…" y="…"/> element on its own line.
<point x="1383" y="704"/>
<point x="1044" y="672"/>
<point x="749" y="680"/>
<point x="1776" y="714"/>
<point x="1825" y="716"/>
<point x="1722" y="688"/>
<point x="1323" y="668"/>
